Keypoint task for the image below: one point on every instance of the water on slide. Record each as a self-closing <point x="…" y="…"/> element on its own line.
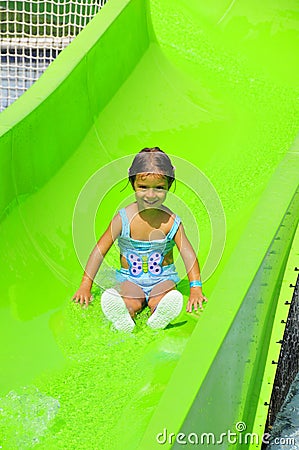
<point x="218" y="90"/>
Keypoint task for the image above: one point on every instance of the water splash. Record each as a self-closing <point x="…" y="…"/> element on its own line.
<point x="25" y="417"/>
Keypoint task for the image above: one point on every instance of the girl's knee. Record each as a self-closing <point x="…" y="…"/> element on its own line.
<point x="131" y="291"/>
<point x="162" y="288"/>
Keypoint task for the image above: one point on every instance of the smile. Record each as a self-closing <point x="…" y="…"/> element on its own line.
<point x="150" y="203"/>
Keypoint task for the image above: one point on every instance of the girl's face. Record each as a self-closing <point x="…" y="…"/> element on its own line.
<point x="150" y="190"/>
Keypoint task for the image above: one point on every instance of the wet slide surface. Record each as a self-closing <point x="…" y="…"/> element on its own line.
<point x="216" y="88"/>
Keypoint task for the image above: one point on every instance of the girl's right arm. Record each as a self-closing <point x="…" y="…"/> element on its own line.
<point x="83" y="294"/>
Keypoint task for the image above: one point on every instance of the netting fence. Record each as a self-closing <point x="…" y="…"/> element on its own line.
<point x="32" y="34"/>
<point x="288" y="364"/>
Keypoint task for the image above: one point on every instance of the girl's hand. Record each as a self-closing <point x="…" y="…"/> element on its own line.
<point x="196" y="299"/>
<point x="83" y="295"/>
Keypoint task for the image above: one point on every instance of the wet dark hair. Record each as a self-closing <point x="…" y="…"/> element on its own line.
<point x="152" y="161"/>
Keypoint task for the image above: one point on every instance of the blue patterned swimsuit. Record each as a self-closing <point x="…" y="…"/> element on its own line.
<point x="145" y="258"/>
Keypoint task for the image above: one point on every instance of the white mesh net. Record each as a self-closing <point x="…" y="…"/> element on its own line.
<point x="32" y="33"/>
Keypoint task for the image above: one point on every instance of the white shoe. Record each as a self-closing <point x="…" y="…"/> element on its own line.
<point x="116" y="311"/>
<point x="167" y="309"/>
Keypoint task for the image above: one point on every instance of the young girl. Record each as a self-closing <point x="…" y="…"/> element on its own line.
<point x="146" y="232"/>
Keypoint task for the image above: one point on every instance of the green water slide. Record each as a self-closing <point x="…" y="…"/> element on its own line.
<point x="215" y="85"/>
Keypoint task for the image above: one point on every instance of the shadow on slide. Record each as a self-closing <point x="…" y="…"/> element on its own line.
<point x="215" y="86"/>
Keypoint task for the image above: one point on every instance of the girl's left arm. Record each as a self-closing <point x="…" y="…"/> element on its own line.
<point x="196" y="297"/>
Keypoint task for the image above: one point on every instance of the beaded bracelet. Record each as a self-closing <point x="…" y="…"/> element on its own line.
<point x="195" y="283"/>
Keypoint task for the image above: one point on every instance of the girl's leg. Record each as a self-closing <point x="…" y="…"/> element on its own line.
<point x="133" y="297"/>
<point x="166" y="304"/>
<point x="158" y="292"/>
